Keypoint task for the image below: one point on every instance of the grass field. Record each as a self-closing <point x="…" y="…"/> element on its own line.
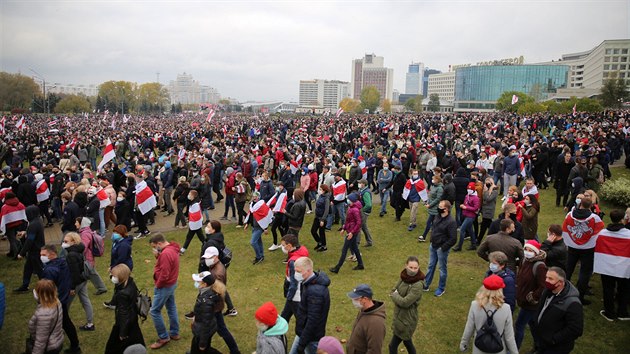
<point x="442" y="319"/>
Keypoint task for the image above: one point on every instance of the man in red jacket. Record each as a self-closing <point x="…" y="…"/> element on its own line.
<point x="165" y="275"/>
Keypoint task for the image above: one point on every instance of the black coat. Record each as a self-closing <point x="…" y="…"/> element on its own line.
<point x="295" y="216"/>
<point x="91" y="211"/>
<point x="398" y="185"/>
<point x="205" y="323"/>
<point x="561" y="323"/>
<point x="518" y="234"/>
<point x="444" y="232"/>
<point x="461" y="185"/>
<point x="557" y="253"/>
<point x="35" y="238"/>
<point x="70" y="214"/>
<point x="126" y="318"/>
<point x="449" y="193"/>
<point x="123" y="213"/>
<point x="26" y="192"/>
<point x="312" y="313"/>
<point x="212" y="240"/>
<point x="75" y="260"/>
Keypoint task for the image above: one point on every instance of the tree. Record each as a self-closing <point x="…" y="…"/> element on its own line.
<point x="73" y="104"/>
<point x="17" y="91"/>
<point x="387" y="106"/>
<point x="613" y="93"/>
<point x="349" y="105"/>
<point x="414" y="104"/>
<point x="531" y="108"/>
<point x="152" y="97"/>
<point x="504" y="103"/>
<point x="434" y="102"/>
<point x="370" y="98"/>
<point x="118" y="96"/>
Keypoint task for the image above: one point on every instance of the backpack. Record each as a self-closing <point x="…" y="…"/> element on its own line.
<point x="488" y="339"/>
<point x="98" y="245"/>
<point x="600" y="177"/>
<point x="225" y="256"/>
<point x="248" y="192"/>
<point x="143" y="304"/>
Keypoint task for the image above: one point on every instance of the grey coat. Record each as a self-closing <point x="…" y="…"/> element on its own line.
<point x="46" y="328"/>
<point x="489" y="203"/>
<point x="502" y="320"/>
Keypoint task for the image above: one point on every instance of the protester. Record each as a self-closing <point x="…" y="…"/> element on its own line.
<point x="443" y="237"/>
<point x="502" y="241"/>
<point x="34" y="241"/>
<point x="555" y="248"/>
<point x="88" y="238"/>
<point x="45" y="326"/>
<point x="75" y="249"/>
<point x="272" y="329"/>
<point x="351" y="230"/>
<point x="498" y="266"/>
<point x="406" y="298"/>
<point x="204" y="324"/>
<point x="368" y="330"/>
<point x="292" y="289"/>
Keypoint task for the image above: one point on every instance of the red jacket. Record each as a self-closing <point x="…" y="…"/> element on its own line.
<point x="231" y="182"/>
<point x="294" y="255"/>
<point x="166" y="268"/>
<point x="313" y="182"/>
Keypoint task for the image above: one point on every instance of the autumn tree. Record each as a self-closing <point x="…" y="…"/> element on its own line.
<point x="349" y="105"/>
<point x="370" y="98"/>
<point x="118" y="96"/>
<point x="414" y="104"/>
<point x="613" y="93"/>
<point x="387" y="106"/>
<point x="434" y="102"/>
<point x="152" y="97"/>
<point x="73" y="104"/>
<point x="17" y="91"/>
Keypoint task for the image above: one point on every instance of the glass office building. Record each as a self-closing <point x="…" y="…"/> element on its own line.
<point x="477" y="88"/>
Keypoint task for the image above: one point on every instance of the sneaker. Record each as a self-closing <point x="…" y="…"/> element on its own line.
<point x="368" y="245"/>
<point x="421" y="239"/>
<point x="349" y="258"/>
<point x="425" y="288"/>
<point x="504" y="198"/>
<point x="623" y="318"/>
<point x="334" y="270"/>
<point x="101" y="292"/>
<point x="322" y="249"/>
<point x="274" y="247"/>
<point x="411" y="227"/>
<point x="309" y="212"/>
<point x="21" y="289"/>
<point x="472" y="248"/>
<point x="109" y="305"/>
<point x="223" y="218"/>
<point x="139" y="236"/>
<point x="190" y="315"/>
<point x="258" y="260"/>
<point x="182" y="251"/>
<point x="604" y="315"/>
<point x="439" y="292"/>
<point x="160" y="343"/>
<point x="88" y="327"/>
<point x="317" y="247"/>
<point x="239" y="226"/>
<point x="230" y="312"/>
<point x="285" y="261"/>
<point x="359" y="267"/>
<point x="353" y="259"/>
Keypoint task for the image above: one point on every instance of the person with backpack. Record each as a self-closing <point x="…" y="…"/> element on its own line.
<point x="242" y="193"/>
<point x="366" y="210"/>
<point x="121" y="253"/>
<point x="204" y="324"/>
<point x="78" y="271"/>
<point x="126" y="330"/>
<point x="93" y="248"/>
<point x="491" y="319"/>
<point x="530" y="283"/>
<point x="272" y="329"/>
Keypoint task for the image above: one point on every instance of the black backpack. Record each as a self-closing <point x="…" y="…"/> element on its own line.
<point x="488" y="339"/>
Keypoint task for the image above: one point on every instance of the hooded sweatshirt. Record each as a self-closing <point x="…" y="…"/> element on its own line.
<point x="166" y="268"/>
<point x="35" y="239"/>
<point x="368" y="331"/>
<point x="272" y="340"/>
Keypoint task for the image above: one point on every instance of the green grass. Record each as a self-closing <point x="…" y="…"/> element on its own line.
<point x="442" y="319"/>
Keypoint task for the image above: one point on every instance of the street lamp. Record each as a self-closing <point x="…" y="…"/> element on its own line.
<point x="41" y="77"/>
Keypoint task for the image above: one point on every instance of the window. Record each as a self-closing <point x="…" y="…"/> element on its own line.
<point x="622" y="67"/>
<point x="606" y="59"/>
<point x="624" y="59"/>
<point x="606" y="67"/>
<point x="615" y="59"/>
<point x="624" y="51"/>
<point x="616" y="51"/>
<point x="614" y="67"/>
<point x="622" y="75"/>
<point x="608" y="51"/>
<point x="605" y="75"/>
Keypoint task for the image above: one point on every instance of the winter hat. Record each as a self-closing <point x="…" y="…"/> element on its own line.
<point x="330" y="345"/>
<point x="182" y="178"/>
<point x="472" y="186"/>
<point x="353" y="197"/>
<point x="86" y="222"/>
<point x="534" y="245"/>
<point x="91" y="191"/>
<point x="311" y="167"/>
<point x="135" y="349"/>
<point x="493" y="282"/>
<point x="39" y="177"/>
<point x="267" y="314"/>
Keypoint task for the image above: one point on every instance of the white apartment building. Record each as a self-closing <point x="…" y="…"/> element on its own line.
<point x="443" y="84"/>
<point x="370" y="71"/>
<point x="322" y="93"/>
<point x="70" y="89"/>
<point x="185" y="90"/>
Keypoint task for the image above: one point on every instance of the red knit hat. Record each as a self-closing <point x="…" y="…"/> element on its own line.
<point x="472" y="185"/>
<point x="267" y="314"/>
<point x="533" y="244"/>
<point x="493" y="282"/>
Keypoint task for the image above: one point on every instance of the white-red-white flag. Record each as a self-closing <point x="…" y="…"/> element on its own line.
<point x="514" y="99"/>
<point x="612" y="253"/>
<point x="42" y="191"/>
<point x="419" y="186"/>
<point x="278" y="202"/>
<point x="21" y="123"/>
<point x="52" y="123"/>
<point x="11" y="214"/>
<point x="575" y="110"/>
<point x="339" y="190"/>
<point x="145" y="199"/>
<point x="181" y="154"/>
<point x="108" y="154"/>
<point x="103" y="198"/>
<point x="195" y="221"/>
<point x="2" y="123"/>
<point x="339" y="112"/>
<point x="295" y="164"/>
<point x="262" y="213"/>
<point x="211" y="114"/>
<point x="72" y="144"/>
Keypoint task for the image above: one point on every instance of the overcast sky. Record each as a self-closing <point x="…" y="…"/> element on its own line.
<point x="259" y="50"/>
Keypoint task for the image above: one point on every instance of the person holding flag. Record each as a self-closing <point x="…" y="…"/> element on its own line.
<point x="278" y="204"/>
<point x="339" y="199"/>
<point x="414" y="192"/>
<point x="145" y="202"/>
<point x="262" y="218"/>
<point x="12" y="220"/>
<point x="108" y="154"/>
<point x="43" y="197"/>
<point x="195" y="220"/>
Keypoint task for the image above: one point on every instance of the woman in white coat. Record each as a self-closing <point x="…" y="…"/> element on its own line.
<point x="490" y="299"/>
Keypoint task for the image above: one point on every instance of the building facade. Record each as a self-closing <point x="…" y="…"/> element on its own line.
<point x="370" y="71"/>
<point x="477" y="88"/>
<point x="442" y="84"/>
<point x="322" y="93"/>
<point x="70" y="89"/>
<point x="186" y="90"/>
<point x="413" y="79"/>
<point x="425" y="80"/>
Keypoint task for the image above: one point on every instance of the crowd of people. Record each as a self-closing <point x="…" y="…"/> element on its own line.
<point x="270" y="171"/>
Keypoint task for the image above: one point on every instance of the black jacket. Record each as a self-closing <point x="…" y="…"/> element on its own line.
<point x="556" y="253"/>
<point x="444" y="234"/>
<point x="125" y="300"/>
<point x="26" y="192"/>
<point x="449" y="193"/>
<point x="212" y="240"/>
<point x="312" y="313"/>
<point x="75" y="260"/>
<point x="461" y="185"/>
<point x="295" y="216"/>
<point x="91" y="211"/>
<point x="518" y="234"/>
<point x="35" y="238"/>
<point x="123" y="213"/>
<point x="355" y="176"/>
<point x="70" y="214"/>
<point x="205" y="323"/>
<point x="266" y="190"/>
<point x="561" y="323"/>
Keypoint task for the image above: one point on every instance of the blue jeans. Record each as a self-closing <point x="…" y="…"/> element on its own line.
<point x="311" y="348"/>
<point x="56" y="208"/>
<point x="162" y="297"/>
<point x="229" y="204"/>
<point x="524" y="318"/>
<point x="329" y="219"/>
<point x="467" y="228"/>
<point x="101" y="215"/>
<point x="435" y="256"/>
<point x="257" y="243"/>
<point x="458" y="214"/>
<point x="429" y="224"/>
<point x="340" y="209"/>
<point x="384" y="199"/>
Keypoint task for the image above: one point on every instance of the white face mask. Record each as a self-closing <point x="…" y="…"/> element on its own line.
<point x="578" y="201"/>
<point x="44" y="259"/>
<point x="209" y="262"/>
<point x="190" y="197"/>
<point x="298" y="276"/>
<point x="120" y="199"/>
<point x="471" y="191"/>
<point x="356" y="303"/>
<point x="35" y="295"/>
<point x="208" y="230"/>
<point x="285" y="250"/>
<point x="529" y="254"/>
<point x="197" y="284"/>
<point x="262" y="327"/>
<point x="115" y="280"/>
<point x="65" y="245"/>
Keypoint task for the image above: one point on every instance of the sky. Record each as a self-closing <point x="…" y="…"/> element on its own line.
<point x="260" y="50"/>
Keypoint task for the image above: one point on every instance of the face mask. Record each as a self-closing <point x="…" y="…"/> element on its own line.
<point x="434" y="182"/>
<point x="529" y="254"/>
<point x="551" y="286"/>
<point x="156" y="250"/>
<point x="115" y="280"/>
<point x="196" y="284"/>
<point x="35" y="295"/>
<point x="415" y="176"/>
<point x="116" y="237"/>
<point x="65" y="245"/>
<point x="385" y="168"/>
<point x="494" y="268"/>
<point x="120" y="199"/>
<point x="278" y="189"/>
<point x="356" y="303"/>
<point x="411" y="273"/>
<point x="470" y="192"/>
<point x="578" y="201"/>
<point x="44" y="259"/>
<point x="285" y="250"/>
<point x="262" y="327"/>
<point x="298" y="276"/>
<point x="209" y="262"/>
<point x="572" y="185"/>
<point x="441" y="210"/>
<point x="528" y="203"/>
<point x="190" y="197"/>
<point x="488" y="185"/>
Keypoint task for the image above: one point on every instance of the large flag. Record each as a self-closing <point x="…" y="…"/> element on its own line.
<point x="195" y="221"/>
<point x="2" y="123"/>
<point x="420" y="188"/>
<point x="103" y="198"/>
<point x="12" y="214"/>
<point x="181" y="154"/>
<point x="211" y="114"/>
<point x="514" y="99"/>
<point x="21" y="124"/>
<point x="42" y="191"/>
<point x="339" y="111"/>
<point x="108" y="154"/>
<point x="295" y="164"/>
<point x="339" y="190"/>
<point x="612" y="253"/>
<point x="145" y="199"/>
<point x="52" y="123"/>
<point x="262" y="213"/>
<point x="363" y="167"/>
<point x="581" y="233"/>
<point x="278" y="202"/>
<point x="71" y="144"/>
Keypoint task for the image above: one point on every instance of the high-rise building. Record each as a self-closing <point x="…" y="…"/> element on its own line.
<point x="323" y="93"/>
<point x="413" y="81"/>
<point x="185" y="90"/>
<point x="443" y="84"/>
<point x="425" y="80"/>
<point x="370" y="71"/>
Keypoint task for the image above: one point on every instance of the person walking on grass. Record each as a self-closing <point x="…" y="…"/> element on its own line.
<point x="406" y="298"/>
<point x="165" y="275"/>
<point x="470" y="208"/>
<point x="435" y="196"/>
<point x="204" y="324"/>
<point x="88" y="237"/>
<point x="443" y="237"/>
<point x="195" y="220"/>
<point x="45" y="326"/>
<point x="74" y="249"/>
<point x="291" y="246"/>
<point x="322" y="208"/>
<point x="351" y="228"/>
<point x="368" y="330"/>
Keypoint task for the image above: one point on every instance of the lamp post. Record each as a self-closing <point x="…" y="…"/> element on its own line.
<point x="41" y="77"/>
